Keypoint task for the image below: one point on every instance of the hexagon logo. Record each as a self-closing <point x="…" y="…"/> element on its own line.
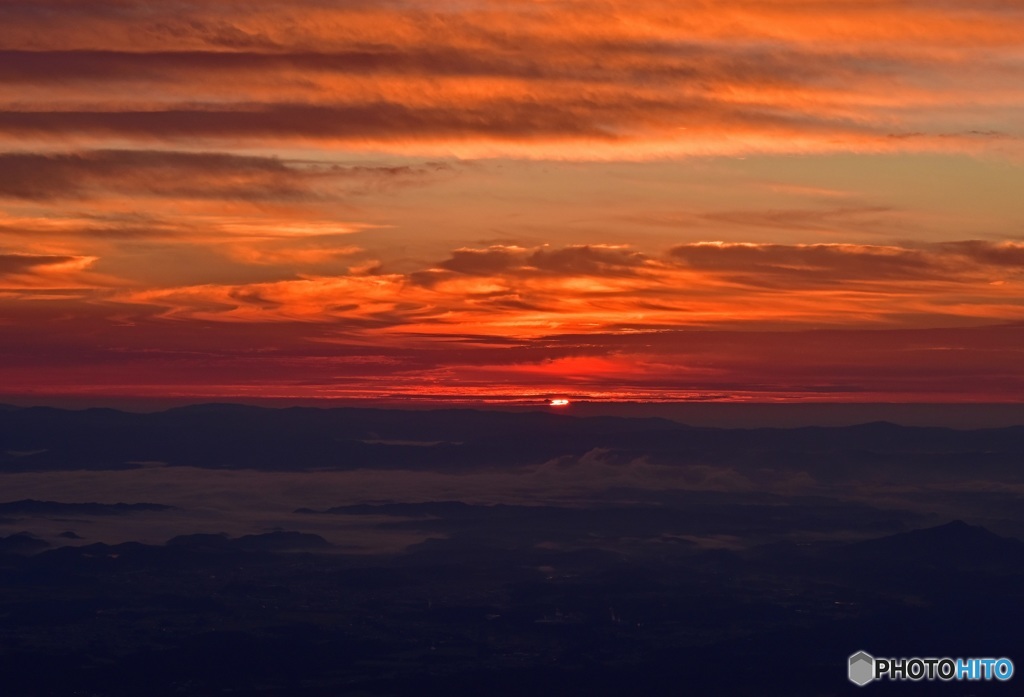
<point x="862" y="668"/>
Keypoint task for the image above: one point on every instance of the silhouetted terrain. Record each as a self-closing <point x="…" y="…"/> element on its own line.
<point x="468" y="553"/>
<point x="300" y="439"/>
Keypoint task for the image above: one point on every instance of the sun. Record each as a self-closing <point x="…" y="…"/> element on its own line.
<point x="559" y="403"/>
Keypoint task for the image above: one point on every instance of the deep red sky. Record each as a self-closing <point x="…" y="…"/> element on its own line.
<point x="657" y="200"/>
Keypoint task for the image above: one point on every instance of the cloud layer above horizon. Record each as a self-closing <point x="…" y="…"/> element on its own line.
<point x="506" y="200"/>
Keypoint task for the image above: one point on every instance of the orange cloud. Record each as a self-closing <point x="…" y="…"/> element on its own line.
<point x="591" y="79"/>
<point x="185" y="175"/>
<point x="518" y="292"/>
<point x="29" y="276"/>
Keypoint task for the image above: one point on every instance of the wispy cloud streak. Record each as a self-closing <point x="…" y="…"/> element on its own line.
<point x="527" y="78"/>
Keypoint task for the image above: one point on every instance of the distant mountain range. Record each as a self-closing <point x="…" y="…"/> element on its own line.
<point x="295" y="439"/>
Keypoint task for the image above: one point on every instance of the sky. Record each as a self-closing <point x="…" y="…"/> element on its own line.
<point x="505" y="201"/>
